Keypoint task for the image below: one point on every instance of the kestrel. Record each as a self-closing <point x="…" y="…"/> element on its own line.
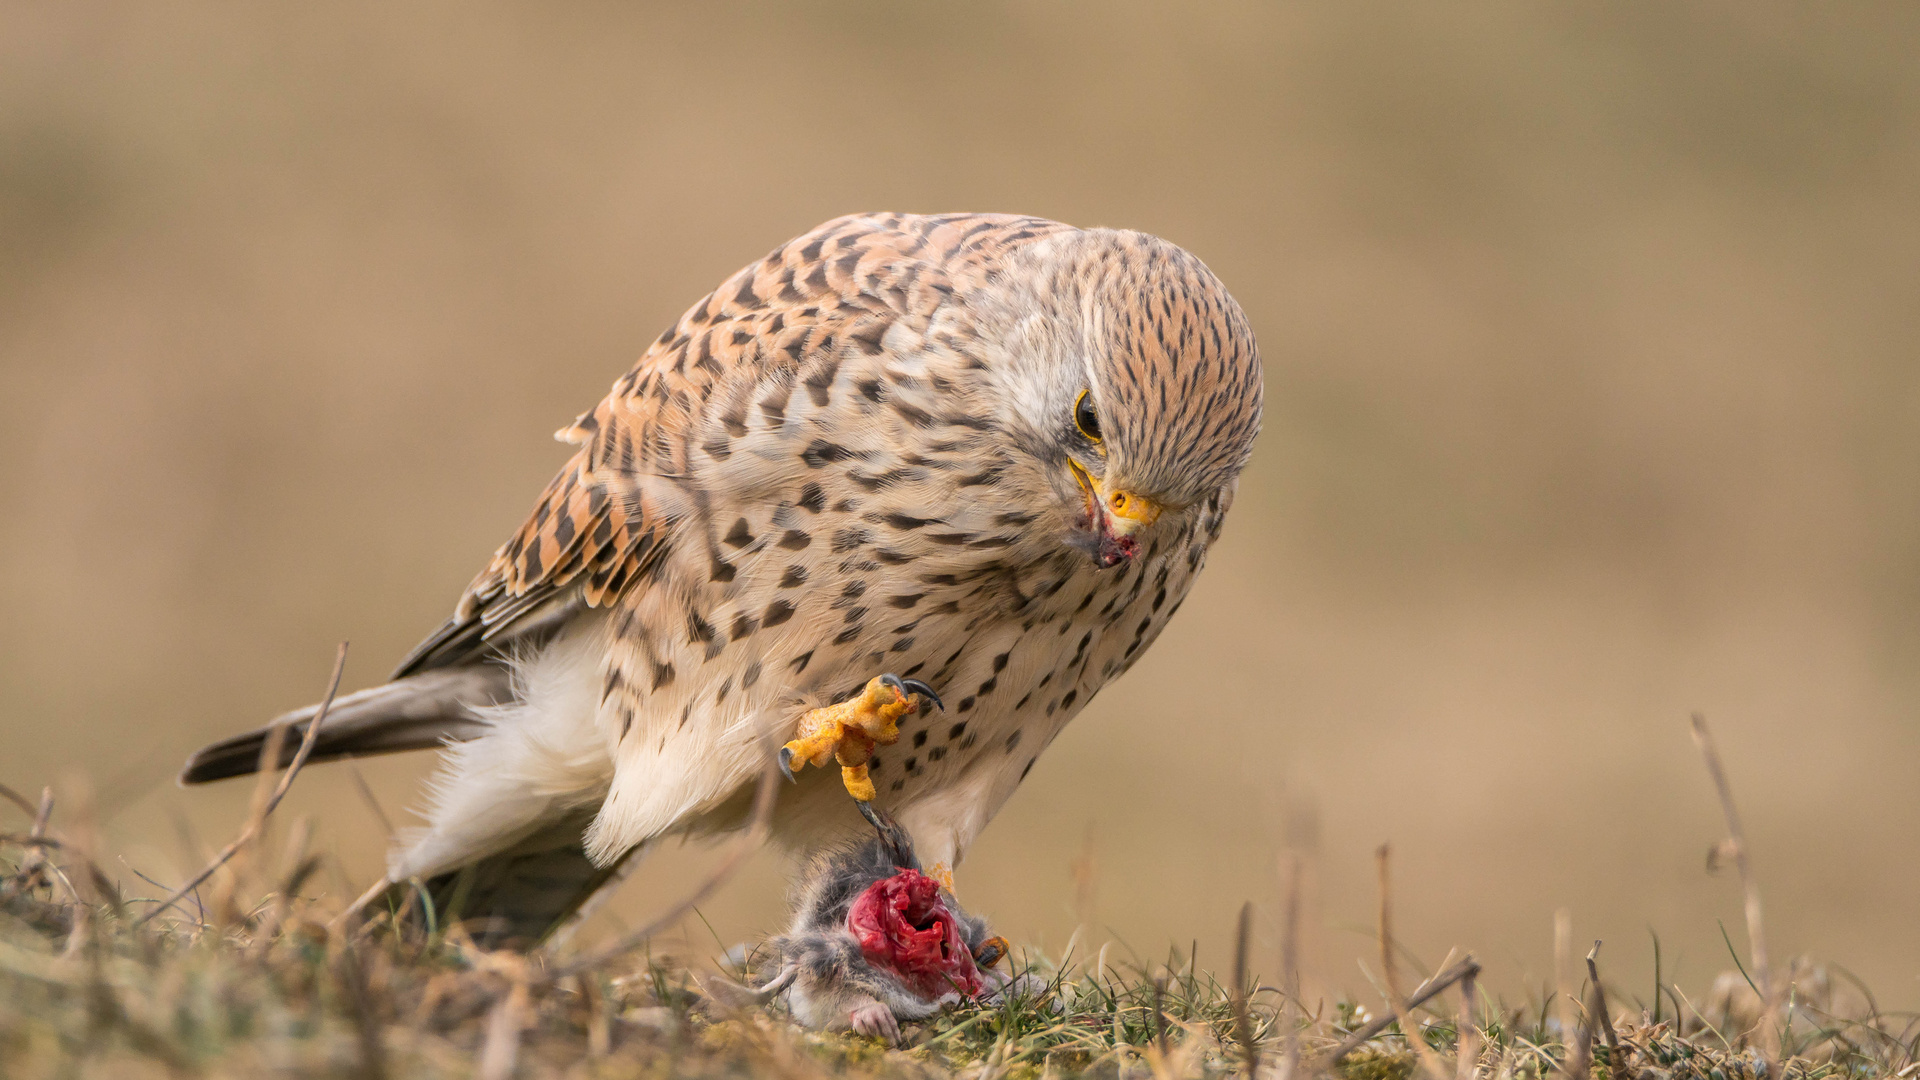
<point x="983" y="455"/>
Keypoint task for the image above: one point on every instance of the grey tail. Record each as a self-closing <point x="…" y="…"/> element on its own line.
<point x="519" y="897"/>
<point x="415" y="713"/>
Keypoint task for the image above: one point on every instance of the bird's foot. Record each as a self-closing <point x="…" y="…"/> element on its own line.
<point x="849" y="731"/>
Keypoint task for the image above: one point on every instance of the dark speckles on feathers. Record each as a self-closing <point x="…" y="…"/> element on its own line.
<point x="845" y="540"/>
<point x="777" y="409"/>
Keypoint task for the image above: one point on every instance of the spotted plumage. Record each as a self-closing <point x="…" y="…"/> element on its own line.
<point x="982" y="451"/>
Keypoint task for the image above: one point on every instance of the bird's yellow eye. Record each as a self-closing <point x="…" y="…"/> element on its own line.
<point x="1085" y="417"/>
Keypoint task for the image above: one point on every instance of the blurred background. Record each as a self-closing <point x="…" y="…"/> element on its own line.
<point x="1593" y="399"/>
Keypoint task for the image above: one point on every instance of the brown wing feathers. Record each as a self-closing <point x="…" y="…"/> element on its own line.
<point x="771" y="330"/>
<point x="597" y="528"/>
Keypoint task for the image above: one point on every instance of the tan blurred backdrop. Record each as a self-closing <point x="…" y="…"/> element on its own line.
<point x="1590" y="336"/>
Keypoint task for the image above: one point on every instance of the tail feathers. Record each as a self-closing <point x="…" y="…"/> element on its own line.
<point x="416" y="713"/>
<point x="519" y="897"/>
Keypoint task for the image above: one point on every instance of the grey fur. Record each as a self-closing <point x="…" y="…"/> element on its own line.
<point x="833" y="984"/>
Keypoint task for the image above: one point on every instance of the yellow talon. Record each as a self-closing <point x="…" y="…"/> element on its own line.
<point x="859" y="784"/>
<point x="849" y="731"/>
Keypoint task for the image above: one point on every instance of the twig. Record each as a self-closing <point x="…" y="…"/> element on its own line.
<point x="1429" y="990"/>
<point x="1756" y="936"/>
<point x="1429" y="1057"/>
<point x="260" y="815"/>
<point x="757" y="829"/>
<point x="1616" y="1060"/>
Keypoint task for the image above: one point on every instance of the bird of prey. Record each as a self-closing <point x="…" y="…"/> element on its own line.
<point x="981" y="455"/>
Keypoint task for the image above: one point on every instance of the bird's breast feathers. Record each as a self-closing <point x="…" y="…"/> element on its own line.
<point x="817" y="476"/>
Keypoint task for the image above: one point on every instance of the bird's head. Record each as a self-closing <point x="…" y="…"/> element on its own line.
<point x="1132" y="382"/>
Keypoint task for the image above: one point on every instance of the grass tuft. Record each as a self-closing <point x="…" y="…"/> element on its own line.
<point x="96" y="983"/>
<point x="270" y="988"/>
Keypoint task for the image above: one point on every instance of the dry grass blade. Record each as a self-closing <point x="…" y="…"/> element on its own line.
<point x="1290" y="971"/>
<point x="1770" y="996"/>
<point x="1616" y="1061"/>
<point x="1242" y="1016"/>
<point x="367" y="796"/>
<point x="351" y="974"/>
<point x="1574" y="1064"/>
<point x="1429" y="1057"/>
<point x="45" y="813"/>
<point x="757" y="828"/>
<point x="29" y="841"/>
<point x="17" y="799"/>
<point x="1432" y="988"/>
<point x="502" y="1046"/>
<point x="261" y="812"/>
<point x="36" y="866"/>
<point x="1160" y="1014"/>
<point x="599" y="1031"/>
<point x="1467" y="1029"/>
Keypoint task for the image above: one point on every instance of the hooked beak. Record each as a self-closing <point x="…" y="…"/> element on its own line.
<point x="1115" y="514"/>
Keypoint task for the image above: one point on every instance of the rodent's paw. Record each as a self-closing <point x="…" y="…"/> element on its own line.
<point x="874" y="1018"/>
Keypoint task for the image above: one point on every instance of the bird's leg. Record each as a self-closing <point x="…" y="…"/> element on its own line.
<point x="849" y="731"/>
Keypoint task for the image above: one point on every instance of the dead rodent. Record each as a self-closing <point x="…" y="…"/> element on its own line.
<point x="874" y="941"/>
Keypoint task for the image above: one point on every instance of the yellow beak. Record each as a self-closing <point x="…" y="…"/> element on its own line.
<point x="1128" y="512"/>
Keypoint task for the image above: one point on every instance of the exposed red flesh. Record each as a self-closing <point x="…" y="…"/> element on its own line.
<point x="904" y="926"/>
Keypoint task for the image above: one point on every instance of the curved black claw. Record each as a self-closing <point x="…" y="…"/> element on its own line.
<point x="786" y="764"/>
<point x="913" y="686"/>
<point x="898" y="845"/>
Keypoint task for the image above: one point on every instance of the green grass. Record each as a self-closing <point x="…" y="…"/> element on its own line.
<point x="266" y="988"/>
